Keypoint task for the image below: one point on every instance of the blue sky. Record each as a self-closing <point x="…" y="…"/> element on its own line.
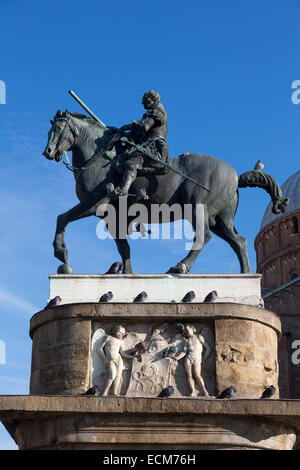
<point x="224" y="71"/>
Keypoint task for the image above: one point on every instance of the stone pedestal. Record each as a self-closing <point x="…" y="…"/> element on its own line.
<point x="43" y="422"/>
<point x="234" y="343"/>
<point x="243" y="341"/>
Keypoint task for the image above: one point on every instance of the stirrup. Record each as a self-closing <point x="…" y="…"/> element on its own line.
<point x="120" y="192"/>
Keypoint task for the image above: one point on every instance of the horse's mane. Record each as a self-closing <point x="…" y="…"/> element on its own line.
<point x="85" y="118"/>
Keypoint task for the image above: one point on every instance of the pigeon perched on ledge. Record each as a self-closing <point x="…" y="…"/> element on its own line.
<point x="259" y="166"/>
<point x="211" y="297"/>
<point x="141" y="297"/>
<point x="228" y="393"/>
<point x="106" y="297"/>
<point x="115" y="268"/>
<point x="93" y="391"/>
<point x="166" y="392"/>
<point x="54" y="302"/>
<point x="189" y="297"/>
<point x="268" y="392"/>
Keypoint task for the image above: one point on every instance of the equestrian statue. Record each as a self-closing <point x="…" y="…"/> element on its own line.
<point x="133" y="163"/>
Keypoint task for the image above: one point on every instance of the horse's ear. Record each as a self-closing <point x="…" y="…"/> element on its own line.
<point x="67" y="112"/>
<point x="51" y="122"/>
<point x="58" y="114"/>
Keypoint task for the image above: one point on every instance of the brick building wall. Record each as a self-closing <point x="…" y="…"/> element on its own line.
<point x="278" y="260"/>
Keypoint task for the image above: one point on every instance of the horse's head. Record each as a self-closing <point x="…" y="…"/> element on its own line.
<point x="61" y="136"/>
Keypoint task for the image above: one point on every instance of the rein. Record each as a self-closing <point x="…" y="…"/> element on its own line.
<point x="93" y="159"/>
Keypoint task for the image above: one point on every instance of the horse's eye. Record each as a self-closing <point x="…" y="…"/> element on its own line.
<point x="59" y="128"/>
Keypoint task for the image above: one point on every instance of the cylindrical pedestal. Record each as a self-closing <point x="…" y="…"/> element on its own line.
<point x="242" y="341"/>
<point x="235" y="344"/>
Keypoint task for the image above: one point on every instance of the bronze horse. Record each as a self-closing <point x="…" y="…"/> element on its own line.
<point x="93" y="162"/>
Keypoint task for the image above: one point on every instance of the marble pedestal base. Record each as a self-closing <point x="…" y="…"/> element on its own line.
<point x="75" y="288"/>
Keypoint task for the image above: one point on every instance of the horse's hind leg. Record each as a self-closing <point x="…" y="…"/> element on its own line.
<point x="202" y="236"/>
<point x="225" y="229"/>
<point x="124" y="250"/>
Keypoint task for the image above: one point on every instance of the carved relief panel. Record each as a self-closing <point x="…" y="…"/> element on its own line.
<point x="142" y="359"/>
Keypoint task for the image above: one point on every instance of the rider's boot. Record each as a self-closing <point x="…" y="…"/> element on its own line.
<point x="128" y="178"/>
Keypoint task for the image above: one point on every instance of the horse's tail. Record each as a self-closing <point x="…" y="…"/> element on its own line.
<point x="263" y="180"/>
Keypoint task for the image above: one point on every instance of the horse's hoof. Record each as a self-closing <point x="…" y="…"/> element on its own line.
<point x="61" y="254"/>
<point x="180" y="268"/>
<point x="65" y="269"/>
<point x="173" y="270"/>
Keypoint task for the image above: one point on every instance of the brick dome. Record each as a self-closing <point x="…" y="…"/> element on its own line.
<point x="290" y="189"/>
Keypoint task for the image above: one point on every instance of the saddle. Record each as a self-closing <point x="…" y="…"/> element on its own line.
<point x="152" y="168"/>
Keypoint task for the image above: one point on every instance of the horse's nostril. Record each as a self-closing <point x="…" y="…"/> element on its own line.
<point x="49" y="149"/>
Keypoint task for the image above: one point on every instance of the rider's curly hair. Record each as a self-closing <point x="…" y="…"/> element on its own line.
<point x="153" y="94"/>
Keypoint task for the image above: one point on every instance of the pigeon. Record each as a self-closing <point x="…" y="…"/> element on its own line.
<point x="211" y="297"/>
<point x="54" y="302"/>
<point x="93" y="391"/>
<point x="170" y="351"/>
<point x="189" y="297"/>
<point x="268" y="392"/>
<point x="166" y="392"/>
<point x="259" y="166"/>
<point x="115" y="268"/>
<point x="141" y="297"/>
<point x="228" y="392"/>
<point x="142" y="347"/>
<point x="106" y="297"/>
<point x="180" y="328"/>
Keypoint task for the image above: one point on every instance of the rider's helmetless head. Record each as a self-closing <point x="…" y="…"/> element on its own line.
<point x="151" y="98"/>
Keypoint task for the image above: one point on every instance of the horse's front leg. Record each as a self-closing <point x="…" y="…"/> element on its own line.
<point x="83" y="209"/>
<point x="60" y="250"/>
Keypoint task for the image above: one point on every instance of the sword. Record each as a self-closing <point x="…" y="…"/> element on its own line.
<point x="148" y="154"/>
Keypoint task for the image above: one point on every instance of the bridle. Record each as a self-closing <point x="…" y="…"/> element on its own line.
<point x="75" y="133"/>
<point x="73" y="129"/>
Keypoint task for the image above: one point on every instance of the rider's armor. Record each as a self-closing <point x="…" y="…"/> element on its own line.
<point x="152" y="140"/>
